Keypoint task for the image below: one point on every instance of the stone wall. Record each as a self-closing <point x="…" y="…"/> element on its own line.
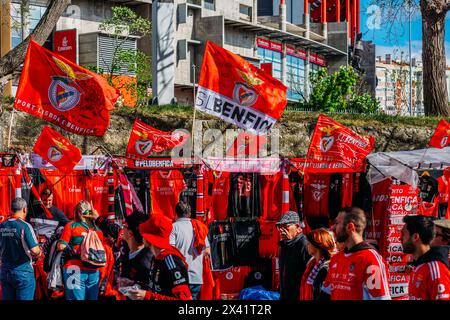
<point x="294" y="139"/>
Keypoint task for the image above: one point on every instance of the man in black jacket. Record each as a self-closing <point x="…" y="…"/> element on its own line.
<point x="293" y="256"/>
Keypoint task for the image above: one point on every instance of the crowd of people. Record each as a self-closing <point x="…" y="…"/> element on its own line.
<point x="150" y="257"/>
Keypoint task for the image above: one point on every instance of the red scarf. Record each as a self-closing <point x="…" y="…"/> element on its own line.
<point x="200" y="234"/>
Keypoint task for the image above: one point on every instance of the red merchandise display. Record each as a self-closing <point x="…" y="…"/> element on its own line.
<point x="403" y="200"/>
<point x="219" y="187"/>
<point x="165" y="189"/>
<point x="271" y="196"/>
<point x="7" y="190"/>
<point x="317" y="186"/>
<point x="268" y="240"/>
<point x="231" y="281"/>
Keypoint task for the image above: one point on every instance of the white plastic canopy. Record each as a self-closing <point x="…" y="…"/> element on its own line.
<point x="403" y="165"/>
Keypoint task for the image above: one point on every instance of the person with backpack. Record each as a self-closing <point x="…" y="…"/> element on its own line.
<point x="85" y="254"/>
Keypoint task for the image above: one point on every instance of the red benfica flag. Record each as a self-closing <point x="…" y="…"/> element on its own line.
<point x="57" y="150"/>
<point x="145" y="139"/>
<point x="238" y="92"/>
<point x="246" y="144"/>
<point x="59" y="91"/>
<point x="337" y="148"/>
<point x="440" y="138"/>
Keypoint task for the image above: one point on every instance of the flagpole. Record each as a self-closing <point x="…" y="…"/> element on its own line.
<point x="10" y="127"/>
<point x="195" y="113"/>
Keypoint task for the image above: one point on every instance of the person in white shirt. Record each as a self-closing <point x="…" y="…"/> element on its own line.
<point x="183" y="238"/>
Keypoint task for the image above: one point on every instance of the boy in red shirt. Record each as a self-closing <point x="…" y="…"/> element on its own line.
<point x="430" y="277"/>
<point x="358" y="272"/>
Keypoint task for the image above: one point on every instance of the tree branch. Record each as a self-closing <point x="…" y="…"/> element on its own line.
<point x="14" y="58"/>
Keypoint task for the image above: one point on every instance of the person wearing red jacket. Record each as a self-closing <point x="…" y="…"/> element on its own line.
<point x="430" y="277"/>
<point x="169" y="279"/>
<point x="358" y="272"/>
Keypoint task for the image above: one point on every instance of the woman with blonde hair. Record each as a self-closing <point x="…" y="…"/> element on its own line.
<point x="320" y="246"/>
<point x="81" y="281"/>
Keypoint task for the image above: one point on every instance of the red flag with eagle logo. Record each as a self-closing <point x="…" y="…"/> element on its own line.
<point x="336" y="148"/>
<point x="145" y="139"/>
<point x="59" y="91"/>
<point x="57" y="150"/>
<point x="440" y="138"/>
<point x="238" y="92"/>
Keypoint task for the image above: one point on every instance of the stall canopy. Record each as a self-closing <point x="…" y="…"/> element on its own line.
<point x="403" y="165"/>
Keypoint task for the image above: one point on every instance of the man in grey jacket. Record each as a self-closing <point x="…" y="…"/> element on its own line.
<point x="293" y="256"/>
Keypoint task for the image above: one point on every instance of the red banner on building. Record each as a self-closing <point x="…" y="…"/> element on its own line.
<point x="334" y="143"/>
<point x="65" y="44"/>
<point x="59" y="91"/>
<point x="238" y="92"/>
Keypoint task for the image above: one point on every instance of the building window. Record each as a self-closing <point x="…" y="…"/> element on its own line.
<point x="35" y="14"/>
<point x="209" y="4"/>
<point x="246" y="12"/>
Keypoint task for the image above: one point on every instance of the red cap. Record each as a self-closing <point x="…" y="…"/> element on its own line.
<point x="156" y="230"/>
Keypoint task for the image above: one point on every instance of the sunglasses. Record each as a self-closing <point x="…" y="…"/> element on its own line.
<point x="87" y="213"/>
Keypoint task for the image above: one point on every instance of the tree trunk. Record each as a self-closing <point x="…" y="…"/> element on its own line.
<point x="434" y="61"/>
<point x="13" y="59"/>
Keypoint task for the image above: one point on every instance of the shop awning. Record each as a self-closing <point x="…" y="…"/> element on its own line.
<point x="403" y="165"/>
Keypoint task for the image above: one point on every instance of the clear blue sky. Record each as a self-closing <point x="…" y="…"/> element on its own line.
<point x="396" y="40"/>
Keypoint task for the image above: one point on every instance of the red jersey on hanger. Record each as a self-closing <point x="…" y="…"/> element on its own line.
<point x="165" y="189"/>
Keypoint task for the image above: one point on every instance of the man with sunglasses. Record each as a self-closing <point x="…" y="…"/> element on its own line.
<point x="442" y="237"/>
<point x="293" y="255"/>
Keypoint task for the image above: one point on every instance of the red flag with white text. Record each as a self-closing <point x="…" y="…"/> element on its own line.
<point x="247" y="144"/>
<point x="57" y="150"/>
<point x="145" y="139"/>
<point x="59" y="91"/>
<point x="440" y="138"/>
<point x="238" y="92"/>
<point x="334" y="143"/>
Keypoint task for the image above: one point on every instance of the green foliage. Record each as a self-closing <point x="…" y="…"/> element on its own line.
<point x="94" y="68"/>
<point x="125" y="22"/>
<point x="337" y="93"/>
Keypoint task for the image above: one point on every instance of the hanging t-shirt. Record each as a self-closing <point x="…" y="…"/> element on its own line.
<point x="296" y="193"/>
<point x="443" y="195"/>
<point x="7" y="191"/>
<point x="271" y="195"/>
<point x="165" y="189"/>
<point x="246" y="235"/>
<point x="244" y="199"/>
<point x="334" y="195"/>
<point x="231" y="282"/>
<point x="260" y="274"/>
<point x="98" y="192"/>
<point x="346" y="190"/>
<point x="218" y="189"/>
<point x="362" y="196"/>
<point x="317" y="187"/>
<point x="269" y="238"/>
<point x="189" y="193"/>
<point x="222" y="244"/>
<point x="428" y="188"/>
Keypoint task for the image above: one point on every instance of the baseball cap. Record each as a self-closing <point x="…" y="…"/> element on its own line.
<point x="156" y="230"/>
<point x="444" y="223"/>
<point x="289" y="217"/>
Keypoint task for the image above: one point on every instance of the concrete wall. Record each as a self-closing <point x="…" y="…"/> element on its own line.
<point x="337" y="35"/>
<point x="240" y="42"/>
<point x="163" y="51"/>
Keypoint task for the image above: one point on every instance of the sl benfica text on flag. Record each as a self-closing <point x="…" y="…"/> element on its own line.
<point x="238" y="92"/>
<point x="440" y="138"/>
<point x="59" y="91"/>
<point x="57" y="150"/>
<point x="336" y="148"/>
<point x="145" y="139"/>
